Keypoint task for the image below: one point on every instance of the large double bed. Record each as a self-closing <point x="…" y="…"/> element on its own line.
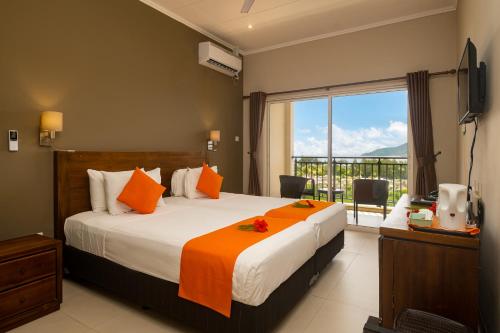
<point x="138" y="257"/>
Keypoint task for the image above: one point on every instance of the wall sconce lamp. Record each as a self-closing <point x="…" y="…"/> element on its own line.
<point x="50" y="123"/>
<point x="214" y="140"/>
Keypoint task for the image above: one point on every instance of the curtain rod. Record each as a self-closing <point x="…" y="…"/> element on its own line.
<point x="396" y="78"/>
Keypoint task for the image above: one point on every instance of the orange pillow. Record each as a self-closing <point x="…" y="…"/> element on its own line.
<point x="210" y="182"/>
<point x="141" y="192"/>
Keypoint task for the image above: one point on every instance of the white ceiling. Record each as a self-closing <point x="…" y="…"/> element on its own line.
<point x="278" y="23"/>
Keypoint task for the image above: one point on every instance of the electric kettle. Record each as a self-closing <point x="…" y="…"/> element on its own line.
<point x="452" y="206"/>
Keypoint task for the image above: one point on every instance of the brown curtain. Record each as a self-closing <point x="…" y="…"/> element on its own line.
<point x="257" y="110"/>
<point x="421" y="125"/>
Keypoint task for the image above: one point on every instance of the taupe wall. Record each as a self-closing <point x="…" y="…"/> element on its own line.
<point x="127" y="79"/>
<point x="393" y="50"/>
<point x="478" y="19"/>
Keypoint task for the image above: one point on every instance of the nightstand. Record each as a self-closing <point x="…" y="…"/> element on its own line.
<point x="30" y="279"/>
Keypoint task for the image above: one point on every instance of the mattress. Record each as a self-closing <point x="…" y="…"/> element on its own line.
<point x="152" y="244"/>
<point x="327" y="223"/>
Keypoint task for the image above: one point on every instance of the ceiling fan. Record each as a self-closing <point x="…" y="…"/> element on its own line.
<point x="247" y="5"/>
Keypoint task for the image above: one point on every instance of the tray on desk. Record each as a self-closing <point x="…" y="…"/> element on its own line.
<point x="436" y="230"/>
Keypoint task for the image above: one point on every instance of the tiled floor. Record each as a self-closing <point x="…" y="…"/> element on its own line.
<point x="366" y="219"/>
<point x="340" y="301"/>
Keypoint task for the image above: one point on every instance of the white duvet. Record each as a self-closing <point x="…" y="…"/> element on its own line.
<point x="153" y="244"/>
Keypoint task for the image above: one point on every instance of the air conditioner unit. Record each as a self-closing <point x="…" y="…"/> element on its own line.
<point x="215" y="57"/>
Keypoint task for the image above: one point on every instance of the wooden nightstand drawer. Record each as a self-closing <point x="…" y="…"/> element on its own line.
<point x="26" y="269"/>
<point x="30" y="279"/>
<point x="28" y="296"/>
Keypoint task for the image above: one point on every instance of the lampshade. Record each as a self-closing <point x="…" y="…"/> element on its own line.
<point x="215" y="135"/>
<point x="51" y="121"/>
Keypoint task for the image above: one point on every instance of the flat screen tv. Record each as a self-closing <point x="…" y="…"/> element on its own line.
<point x="471" y="85"/>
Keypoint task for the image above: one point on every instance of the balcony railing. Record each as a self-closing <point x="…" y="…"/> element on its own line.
<point x="346" y="169"/>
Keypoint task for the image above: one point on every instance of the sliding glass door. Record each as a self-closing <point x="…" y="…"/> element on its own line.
<point x="369" y="140"/>
<point x="332" y="140"/>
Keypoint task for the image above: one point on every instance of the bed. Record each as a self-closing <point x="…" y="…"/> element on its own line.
<point x="98" y="245"/>
<point x="327" y="223"/>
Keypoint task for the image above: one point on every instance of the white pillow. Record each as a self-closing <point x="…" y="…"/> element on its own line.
<point x="177" y="182"/>
<point x="97" y="194"/>
<point x="155" y="174"/>
<point x="114" y="182"/>
<point x="190" y="182"/>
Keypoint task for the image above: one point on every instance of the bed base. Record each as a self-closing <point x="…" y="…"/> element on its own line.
<point x="161" y="295"/>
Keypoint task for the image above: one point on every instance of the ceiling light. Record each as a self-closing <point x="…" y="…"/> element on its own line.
<point x="250" y="26"/>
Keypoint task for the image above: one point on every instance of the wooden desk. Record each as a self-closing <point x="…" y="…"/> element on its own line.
<point x="430" y="272"/>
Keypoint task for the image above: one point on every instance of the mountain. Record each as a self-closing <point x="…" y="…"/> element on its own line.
<point x="400" y="151"/>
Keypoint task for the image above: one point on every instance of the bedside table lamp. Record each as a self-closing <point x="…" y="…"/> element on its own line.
<point x="50" y="123"/>
<point x="214" y="140"/>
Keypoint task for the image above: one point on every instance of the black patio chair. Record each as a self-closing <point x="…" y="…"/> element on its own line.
<point x="310" y="190"/>
<point x="292" y="186"/>
<point x="370" y="192"/>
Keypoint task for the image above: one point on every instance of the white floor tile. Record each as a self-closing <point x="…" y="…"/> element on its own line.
<point x="301" y="315"/>
<point x="93" y="308"/>
<point x="148" y="321"/>
<point x="54" y="322"/>
<point x="366" y="219"/>
<point x="71" y="288"/>
<point x="337" y="317"/>
<point x="332" y="274"/>
<point x="359" y="285"/>
<point x="355" y="241"/>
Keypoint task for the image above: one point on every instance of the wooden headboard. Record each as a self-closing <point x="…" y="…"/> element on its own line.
<point x="71" y="182"/>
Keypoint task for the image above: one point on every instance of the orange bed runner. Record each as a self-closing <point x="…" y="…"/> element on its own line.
<point x="207" y="262"/>
<point x="290" y="211"/>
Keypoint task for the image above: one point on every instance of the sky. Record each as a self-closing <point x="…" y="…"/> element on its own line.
<point x="360" y="124"/>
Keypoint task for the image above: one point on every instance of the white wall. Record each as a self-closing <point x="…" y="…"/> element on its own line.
<point x="279" y="145"/>
<point x="393" y="50"/>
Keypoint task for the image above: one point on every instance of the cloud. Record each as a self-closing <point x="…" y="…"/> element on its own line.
<point x="398" y="128"/>
<point x="311" y="146"/>
<point x="304" y="130"/>
<point x="353" y="142"/>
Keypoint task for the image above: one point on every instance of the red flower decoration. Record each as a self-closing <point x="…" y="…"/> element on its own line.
<point x="310" y="204"/>
<point x="260" y="225"/>
<point x="433" y="208"/>
<point x="408" y="213"/>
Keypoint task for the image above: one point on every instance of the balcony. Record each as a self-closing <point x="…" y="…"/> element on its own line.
<point x="345" y="169"/>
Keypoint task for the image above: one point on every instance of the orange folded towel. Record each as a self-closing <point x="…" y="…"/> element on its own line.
<point x="207" y="262"/>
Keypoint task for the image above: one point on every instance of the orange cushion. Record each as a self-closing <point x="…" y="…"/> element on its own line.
<point x="141" y="192"/>
<point x="210" y="182"/>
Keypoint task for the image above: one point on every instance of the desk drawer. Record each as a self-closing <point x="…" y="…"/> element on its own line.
<point x="28" y="296"/>
<point x="26" y="269"/>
